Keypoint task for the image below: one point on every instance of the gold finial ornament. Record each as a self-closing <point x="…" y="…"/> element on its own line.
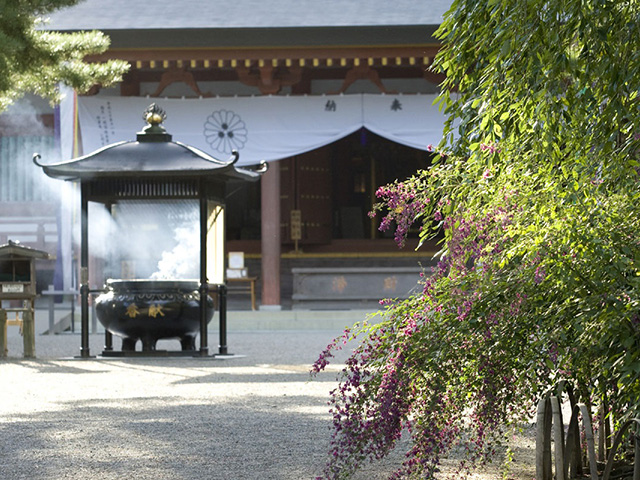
<point x="154" y="115"/>
<point x="154" y="131"/>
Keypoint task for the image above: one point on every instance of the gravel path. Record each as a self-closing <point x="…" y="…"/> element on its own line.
<point x="254" y="416"/>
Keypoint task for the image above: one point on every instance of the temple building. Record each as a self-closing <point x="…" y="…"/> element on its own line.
<point x="336" y="96"/>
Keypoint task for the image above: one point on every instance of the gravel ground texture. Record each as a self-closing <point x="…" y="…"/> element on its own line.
<point x="254" y="415"/>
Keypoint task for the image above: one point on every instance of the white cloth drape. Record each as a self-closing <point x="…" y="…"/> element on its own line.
<point x="68" y="192"/>
<point x="264" y="128"/>
<point x="67" y="121"/>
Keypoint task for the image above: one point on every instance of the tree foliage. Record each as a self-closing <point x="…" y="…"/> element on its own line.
<point x="33" y="60"/>
<point x="535" y="189"/>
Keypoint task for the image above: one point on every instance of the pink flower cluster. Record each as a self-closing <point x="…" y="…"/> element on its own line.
<point x="489" y="147"/>
<point x="404" y="207"/>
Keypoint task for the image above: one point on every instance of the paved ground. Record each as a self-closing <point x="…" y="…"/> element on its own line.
<point x="255" y="416"/>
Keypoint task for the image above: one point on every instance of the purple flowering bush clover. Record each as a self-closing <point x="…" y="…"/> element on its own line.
<point x="463" y="363"/>
<point x="537" y="209"/>
<point x="404" y="208"/>
<point x="417" y="370"/>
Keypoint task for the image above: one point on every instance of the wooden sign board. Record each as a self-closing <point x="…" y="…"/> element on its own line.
<point x="296" y="225"/>
<point x="12" y="288"/>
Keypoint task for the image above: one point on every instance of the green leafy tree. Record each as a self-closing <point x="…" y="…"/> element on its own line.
<point x="34" y="60"/>
<point x="535" y="190"/>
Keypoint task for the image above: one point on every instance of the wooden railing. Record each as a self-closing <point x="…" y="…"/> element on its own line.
<point x="568" y="451"/>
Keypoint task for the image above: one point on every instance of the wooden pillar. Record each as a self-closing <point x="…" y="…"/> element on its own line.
<point x="3" y="333"/>
<point x="270" y="206"/>
<point x="28" y="333"/>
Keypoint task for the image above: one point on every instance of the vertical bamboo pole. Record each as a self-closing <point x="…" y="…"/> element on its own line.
<point x="576" y="467"/>
<point x="602" y="455"/>
<point x="543" y="441"/>
<point x="548" y="420"/>
<point x="608" y="434"/>
<point x="605" y="430"/>
<point x="558" y="438"/>
<point x="591" y="448"/>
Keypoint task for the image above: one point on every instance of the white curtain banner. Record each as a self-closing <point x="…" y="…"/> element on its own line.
<point x="67" y="121"/>
<point x="411" y="120"/>
<point x="264" y="128"/>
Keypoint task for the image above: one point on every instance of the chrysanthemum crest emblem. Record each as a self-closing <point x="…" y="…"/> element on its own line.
<point x="225" y="131"/>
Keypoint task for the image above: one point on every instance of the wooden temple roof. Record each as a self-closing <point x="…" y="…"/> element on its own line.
<point x="246" y="14"/>
<point x="267" y="44"/>
<point x="259" y="33"/>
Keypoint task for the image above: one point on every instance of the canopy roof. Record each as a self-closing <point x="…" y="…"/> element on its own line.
<point x="15" y="250"/>
<point x="153" y="154"/>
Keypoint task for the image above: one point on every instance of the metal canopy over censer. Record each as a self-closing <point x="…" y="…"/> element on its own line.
<point x="154" y="169"/>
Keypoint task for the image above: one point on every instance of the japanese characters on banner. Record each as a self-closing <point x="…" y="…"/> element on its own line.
<point x="411" y="120"/>
<point x="264" y="128"/>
